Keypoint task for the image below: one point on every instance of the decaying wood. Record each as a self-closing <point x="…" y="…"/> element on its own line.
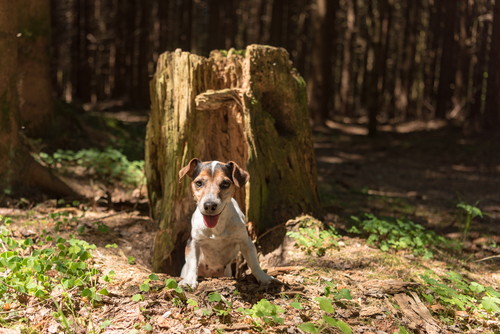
<point x="417" y="316"/>
<point x="251" y="109"/>
<point x="215" y="99"/>
<point x="380" y="288"/>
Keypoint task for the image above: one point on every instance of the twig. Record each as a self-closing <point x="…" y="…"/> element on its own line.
<point x="488" y="258"/>
<point x="270" y="230"/>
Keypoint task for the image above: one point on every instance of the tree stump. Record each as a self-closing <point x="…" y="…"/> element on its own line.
<point x="249" y="107"/>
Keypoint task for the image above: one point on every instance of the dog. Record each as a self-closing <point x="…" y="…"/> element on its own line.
<point x="218" y="228"/>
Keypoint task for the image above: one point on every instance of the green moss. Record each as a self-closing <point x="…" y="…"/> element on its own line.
<point x="240" y="52"/>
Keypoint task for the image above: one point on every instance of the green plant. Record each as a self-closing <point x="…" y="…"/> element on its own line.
<point x="338" y="294"/>
<point x="104" y="165"/>
<point x="313" y="237"/>
<point x="222" y="307"/>
<point x="398" y="234"/>
<point x="325" y="304"/>
<point x="264" y="313"/>
<point x="455" y="292"/>
<point x="50" y="269"/>
<point x="470" y="212"/>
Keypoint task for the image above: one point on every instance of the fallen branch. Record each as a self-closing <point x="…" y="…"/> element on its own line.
<point x="416" y="314"/>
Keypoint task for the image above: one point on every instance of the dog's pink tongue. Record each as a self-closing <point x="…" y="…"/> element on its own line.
<point x="210" y="221"/>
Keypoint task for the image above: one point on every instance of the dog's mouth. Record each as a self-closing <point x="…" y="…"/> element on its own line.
<point x="211" y="221"/>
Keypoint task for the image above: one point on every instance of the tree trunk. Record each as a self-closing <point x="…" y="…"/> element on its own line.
<point x="17" y="166"/>
<point x="448" y="63"/>
<point x="491" y="120"/>
<point x="35" y="87"/>
<point x="251" y="109"/>
<point x="320" y="83"/>
<point x="9" y="139"/>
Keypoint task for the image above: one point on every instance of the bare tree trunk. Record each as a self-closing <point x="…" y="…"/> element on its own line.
<point x="320" y="83"/>
<point x="448" y="64"/>
<point x="17" y="166"/>
<point x="491" y="120"/>
<point x="346" y="71"/>
<point x="251" y="110"/>
<point x="35" y="87"/>
<point x="9" y="139"/>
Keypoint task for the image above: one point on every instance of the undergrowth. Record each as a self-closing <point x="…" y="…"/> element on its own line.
<point x="106" y="165"/>
<point x="454" y="292"/>
<point x="394" y="233"/>
<point x="53" y="271"/>
<point x="313" y="237"/>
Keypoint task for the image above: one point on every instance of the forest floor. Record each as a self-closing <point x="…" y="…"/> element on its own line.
<point x="386" y="255"/>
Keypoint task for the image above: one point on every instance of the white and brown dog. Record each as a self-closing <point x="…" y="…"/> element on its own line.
<point x="218" y="229"/>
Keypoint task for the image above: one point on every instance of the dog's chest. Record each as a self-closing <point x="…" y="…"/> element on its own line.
<point x="217" y="253"/>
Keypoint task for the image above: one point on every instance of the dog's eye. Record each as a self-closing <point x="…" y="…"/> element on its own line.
<point x="198" y="184"/>
<point x="225" y="184"/>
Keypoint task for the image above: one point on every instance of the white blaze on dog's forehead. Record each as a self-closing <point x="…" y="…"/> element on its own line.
<point x="213" y="164"/>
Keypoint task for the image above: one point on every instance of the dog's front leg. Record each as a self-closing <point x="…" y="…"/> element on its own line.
<point x="250" y="254"/>
<point x="189" y="272"/>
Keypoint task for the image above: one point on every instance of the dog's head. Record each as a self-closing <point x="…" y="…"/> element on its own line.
<point x="213" y="184"/>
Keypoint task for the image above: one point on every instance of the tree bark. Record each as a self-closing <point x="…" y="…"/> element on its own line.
<point x="17" y="167"/>
<point x="491" y="120"/>
<point x="448" y="63"/>
<point x="320" y="83"/>
<point x="251" y="109"/>
<point x="8" y="95"/>
<point x="35" y="87"/>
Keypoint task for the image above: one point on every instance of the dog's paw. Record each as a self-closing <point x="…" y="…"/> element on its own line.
<point x="193" y="284"/>
<point x="266" y="280"/>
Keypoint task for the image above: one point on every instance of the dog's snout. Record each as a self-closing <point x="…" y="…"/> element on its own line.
<point x="210" y="206"/>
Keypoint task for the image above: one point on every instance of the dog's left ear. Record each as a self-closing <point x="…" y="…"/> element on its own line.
<point x="238" y="174"/>
<point x="188" y="169"/>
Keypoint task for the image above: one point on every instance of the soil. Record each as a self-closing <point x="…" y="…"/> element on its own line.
<point x="417" y="171"/>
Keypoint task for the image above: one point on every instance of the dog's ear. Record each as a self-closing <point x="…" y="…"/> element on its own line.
<point x="238" y="174"/>
<point x="188" y="169"/>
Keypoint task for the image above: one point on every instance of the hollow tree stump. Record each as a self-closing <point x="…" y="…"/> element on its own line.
<point x="251" y="109"/>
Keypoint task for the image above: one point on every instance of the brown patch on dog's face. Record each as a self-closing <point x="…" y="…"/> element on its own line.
<point x="212" y="185"/>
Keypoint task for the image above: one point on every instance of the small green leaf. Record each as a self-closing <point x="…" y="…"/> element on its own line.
<point x="192" y="302"/>
<point x="343" y="294"/>
<point x="87" y="292"/>
<point x="147" y="327"/>
<point x="154" y="277"/>
<point x="103" y="292"/>
<point x="137" y="297"/>
<point x="308" y="327"/>
<point x="105" y="324"/>
<point x="491" y="304"/>
<point x="345" y="328"/>
<point x="214" y="297"/>
<point x="144" y="287"/>
<point x="325" y="304"/>
<point x="476" y="287"/>
<point x="402" y="330"/>
<point x="296" y="305"/>
<point x="171" y="283"/>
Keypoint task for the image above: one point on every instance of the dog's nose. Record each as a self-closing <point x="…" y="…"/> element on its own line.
<point x="210" y="207"/>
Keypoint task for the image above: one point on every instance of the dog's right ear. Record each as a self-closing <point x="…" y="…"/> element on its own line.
<point x="188" y="169"/>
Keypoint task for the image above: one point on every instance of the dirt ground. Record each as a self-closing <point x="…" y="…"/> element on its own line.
<point x="419" y="171"/>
